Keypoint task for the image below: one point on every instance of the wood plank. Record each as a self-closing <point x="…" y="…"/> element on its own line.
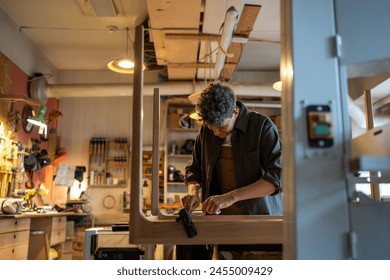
<point x="195" y="37"/>
<point x="175" y="17"/>
<point x="247" y="20"/>
<point x="183" y="51"/>
<point x="181" y="73"/>
<point x="174" y="13"/>
<point x="212" y="229"/>
<point x="19" y="97"/>
<point x="192" y="65"/>
<point x="374" y="142"/>
<point x="243" y="29"/>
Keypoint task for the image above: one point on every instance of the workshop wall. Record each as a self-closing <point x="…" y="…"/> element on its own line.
<point x="107" y="117"/>
<point x="14" y="82"/>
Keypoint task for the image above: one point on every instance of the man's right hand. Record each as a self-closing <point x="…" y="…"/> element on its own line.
<point x="191" y="201"/>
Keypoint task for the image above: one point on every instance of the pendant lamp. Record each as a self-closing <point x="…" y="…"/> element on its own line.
<point x="123" y="65"/>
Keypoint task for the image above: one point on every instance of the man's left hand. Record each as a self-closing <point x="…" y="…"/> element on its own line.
<point x="214" y="204"/>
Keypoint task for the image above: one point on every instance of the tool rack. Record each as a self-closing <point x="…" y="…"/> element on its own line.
<point x="108" y="161"/>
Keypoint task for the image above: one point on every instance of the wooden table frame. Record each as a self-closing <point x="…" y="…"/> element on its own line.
<point x="165" y="230"/>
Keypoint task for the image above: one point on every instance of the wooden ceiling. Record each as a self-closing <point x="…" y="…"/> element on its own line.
<point x="181" y="44"/>
<point x="181" y="41"/>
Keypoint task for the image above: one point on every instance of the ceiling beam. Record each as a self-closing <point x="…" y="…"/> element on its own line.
<point x="192" y="65"/>
<point x="243" y="29"/>
<point x="197" y="37"/>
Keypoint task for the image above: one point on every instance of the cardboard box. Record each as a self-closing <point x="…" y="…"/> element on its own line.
<point x="173" y="120"/>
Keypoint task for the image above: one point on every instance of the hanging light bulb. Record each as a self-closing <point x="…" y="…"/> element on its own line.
<point x="124" y="64"/>
<point x="277" y="86"/>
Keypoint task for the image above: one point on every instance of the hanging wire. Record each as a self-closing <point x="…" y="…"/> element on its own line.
<point x="127" y="41"/>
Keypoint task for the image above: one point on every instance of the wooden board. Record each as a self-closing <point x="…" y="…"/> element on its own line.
<point x="175" y="17"/>
<point x="243" y="29"/>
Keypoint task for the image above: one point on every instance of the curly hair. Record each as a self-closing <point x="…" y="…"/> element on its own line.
<point x="216" y="103"/>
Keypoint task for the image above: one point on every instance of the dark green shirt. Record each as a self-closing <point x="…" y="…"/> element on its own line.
<point x="256" y="150"/>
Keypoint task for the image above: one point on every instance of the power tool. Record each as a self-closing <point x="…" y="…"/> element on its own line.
<point x="28" y="195"/>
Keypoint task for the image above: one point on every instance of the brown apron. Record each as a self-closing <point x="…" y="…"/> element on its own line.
<point x="226" y="178"/>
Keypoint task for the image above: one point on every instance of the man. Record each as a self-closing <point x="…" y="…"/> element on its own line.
<point x="236" y="162"/>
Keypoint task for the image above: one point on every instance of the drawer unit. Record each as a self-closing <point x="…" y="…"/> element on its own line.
<point x="57" y="236"/>
<point x="13" y="224"/>
<point x="58" y="230"/>
<point x="14" y="238"/>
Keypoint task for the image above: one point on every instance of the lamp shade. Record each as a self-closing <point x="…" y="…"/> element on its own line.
<point x="121" y="65"/>
<point x="277" y="86"/>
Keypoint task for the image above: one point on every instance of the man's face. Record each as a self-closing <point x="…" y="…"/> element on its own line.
<point x="226" y="128"/>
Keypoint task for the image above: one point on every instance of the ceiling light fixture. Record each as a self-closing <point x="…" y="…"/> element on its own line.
<point x="195" y="116"/>
<point x="123" y="65"/>
<point x="277" y="86"/>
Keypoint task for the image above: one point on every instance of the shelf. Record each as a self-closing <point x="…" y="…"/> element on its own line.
<point x="374" y="142"/>
<point x="370" y="163"/>
<point x="108" y="186"/>
<point x="176" y="133"/>
<point x="17" y="97"/>
<point x="77" y="202"/>
<point x="186" y="156"/>
<point x="195" y="129"/>
<point x="179" y="184"/>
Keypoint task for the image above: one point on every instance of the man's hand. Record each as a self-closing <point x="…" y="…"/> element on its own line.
<point x="214" y="204"/>
<point x="191" y="201"/>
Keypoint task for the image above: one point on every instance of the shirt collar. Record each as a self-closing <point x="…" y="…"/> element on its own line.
<point x="243" y="117"/>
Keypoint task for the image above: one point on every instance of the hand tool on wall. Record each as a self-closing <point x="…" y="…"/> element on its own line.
<point x="93" y="140"/>
<point x="3" y="183"/>
<point x="97" y="150"/>
<point x="91" y="150"/>
<point x="14" y="171"/>
<point x="11" y="181"/>
<point x="100" y="150"/>
<point x="104" y="149"/>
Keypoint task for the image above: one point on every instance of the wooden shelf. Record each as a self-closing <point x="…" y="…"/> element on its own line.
<point x="370" y="163"/>
<point x="180" y="156"/>
<point x="108" y="186"/>
<point x="17" y="97"/>
<point x="195" y="129"/>
<point x="179" y="184"/>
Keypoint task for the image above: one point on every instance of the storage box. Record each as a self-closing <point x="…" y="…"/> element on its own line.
<point x="68" y="246"/>
<point x="173" y="120"/>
